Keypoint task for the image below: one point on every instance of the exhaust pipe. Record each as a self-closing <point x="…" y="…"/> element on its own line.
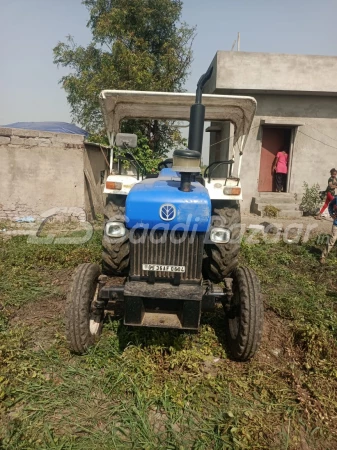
<point x="187" y="162"/>
<point x="185" y="183"/>
<point x="197" y="115"/>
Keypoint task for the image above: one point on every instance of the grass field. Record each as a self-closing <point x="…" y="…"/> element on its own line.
<point x="149" y="389"/>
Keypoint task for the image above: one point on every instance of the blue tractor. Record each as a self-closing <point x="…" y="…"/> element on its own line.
<point x="173" y="237"/>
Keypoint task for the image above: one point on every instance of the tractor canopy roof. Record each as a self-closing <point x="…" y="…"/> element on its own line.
<point x="121" y="105"/>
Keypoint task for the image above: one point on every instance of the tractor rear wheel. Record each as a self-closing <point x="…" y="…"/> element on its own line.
<point x="115" y="255"/>
<point x="221" y="259"/>
<point x="244" y="320"/>
<point x="83" y="326"/>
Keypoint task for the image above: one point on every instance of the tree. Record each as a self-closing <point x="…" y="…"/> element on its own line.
<point x="136" y="45"/>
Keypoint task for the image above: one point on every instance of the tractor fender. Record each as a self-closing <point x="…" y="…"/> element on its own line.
<point x="223" y="188"/>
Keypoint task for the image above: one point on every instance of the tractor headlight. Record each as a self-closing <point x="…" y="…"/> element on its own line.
<point x="115" y="229"/>
<point x="220" y="235"/>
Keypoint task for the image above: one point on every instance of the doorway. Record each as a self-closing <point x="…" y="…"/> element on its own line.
<point x="274" y="139"/>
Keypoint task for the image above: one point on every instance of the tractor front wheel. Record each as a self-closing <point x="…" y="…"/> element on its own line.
<point x="244" y="320"/>
<point x="83" y="324"/>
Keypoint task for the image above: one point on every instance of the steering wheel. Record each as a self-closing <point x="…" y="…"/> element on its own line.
<point x="167" y="164"/>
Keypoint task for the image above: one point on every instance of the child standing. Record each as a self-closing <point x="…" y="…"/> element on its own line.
<point x="333" y="237"/>
<point x="330" y="192"/>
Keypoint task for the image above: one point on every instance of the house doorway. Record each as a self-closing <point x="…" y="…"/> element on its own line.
<point x="274" y="139"/>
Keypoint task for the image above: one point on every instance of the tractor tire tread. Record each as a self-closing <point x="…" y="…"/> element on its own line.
<point x="115" y="252"/>
<point x="249" y="336"/>
<point x="222" y="259"/>
<point x="79" y="298"/>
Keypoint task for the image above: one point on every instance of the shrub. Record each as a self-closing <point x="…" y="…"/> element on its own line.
<point x="311" y="199"/>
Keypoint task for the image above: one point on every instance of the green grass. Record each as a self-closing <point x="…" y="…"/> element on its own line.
<point x="149" y="389"/>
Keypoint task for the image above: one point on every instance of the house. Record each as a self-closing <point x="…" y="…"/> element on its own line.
<point x="296" y="109"/>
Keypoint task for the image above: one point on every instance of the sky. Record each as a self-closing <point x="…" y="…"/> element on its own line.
<point x="29" y="88"/>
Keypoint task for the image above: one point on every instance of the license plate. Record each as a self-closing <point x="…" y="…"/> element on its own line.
<point x="162" y="268"/>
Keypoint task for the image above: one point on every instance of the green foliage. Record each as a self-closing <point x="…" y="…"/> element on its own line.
<point x="144" y="154"/>
<point x="271" y="211"/>
<point x="311" y="199"/>
<point x="99" y="138"/>
<point x="136" y="45"/>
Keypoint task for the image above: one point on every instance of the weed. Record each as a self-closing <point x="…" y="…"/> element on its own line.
<point x="270" y="211"/>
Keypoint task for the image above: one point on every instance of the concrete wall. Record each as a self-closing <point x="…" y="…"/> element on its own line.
<point x="41" y="170"/>
<point x="281" y="73"/>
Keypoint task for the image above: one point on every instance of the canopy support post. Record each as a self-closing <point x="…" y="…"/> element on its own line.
<point x="111" y="137"/>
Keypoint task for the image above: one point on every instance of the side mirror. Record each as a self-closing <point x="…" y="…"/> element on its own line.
<point x="126" y="140"/>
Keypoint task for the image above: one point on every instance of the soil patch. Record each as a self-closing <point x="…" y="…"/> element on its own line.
<point x="277" y="346"/>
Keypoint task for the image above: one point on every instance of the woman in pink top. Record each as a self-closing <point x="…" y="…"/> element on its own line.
<point x="281" y="168"/>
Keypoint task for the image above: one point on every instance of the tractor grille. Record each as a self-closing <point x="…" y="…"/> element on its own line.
<point x="166" y="248"/>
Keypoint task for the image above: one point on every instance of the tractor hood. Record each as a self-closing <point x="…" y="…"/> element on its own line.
<point x="157" y="203"/>
<point x="121" y="105"/>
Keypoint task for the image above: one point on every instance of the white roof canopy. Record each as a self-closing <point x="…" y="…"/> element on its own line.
<point x="121" y="105"/>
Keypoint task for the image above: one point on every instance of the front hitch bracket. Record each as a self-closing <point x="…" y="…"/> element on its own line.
<point x="99" y="303"/>
<point x="228" y="292"/>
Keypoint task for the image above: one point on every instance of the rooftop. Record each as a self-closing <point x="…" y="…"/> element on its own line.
<point x="273" y="73"/>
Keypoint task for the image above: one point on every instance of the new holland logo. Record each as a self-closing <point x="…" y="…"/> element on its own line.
<point x="167" y="212"/>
